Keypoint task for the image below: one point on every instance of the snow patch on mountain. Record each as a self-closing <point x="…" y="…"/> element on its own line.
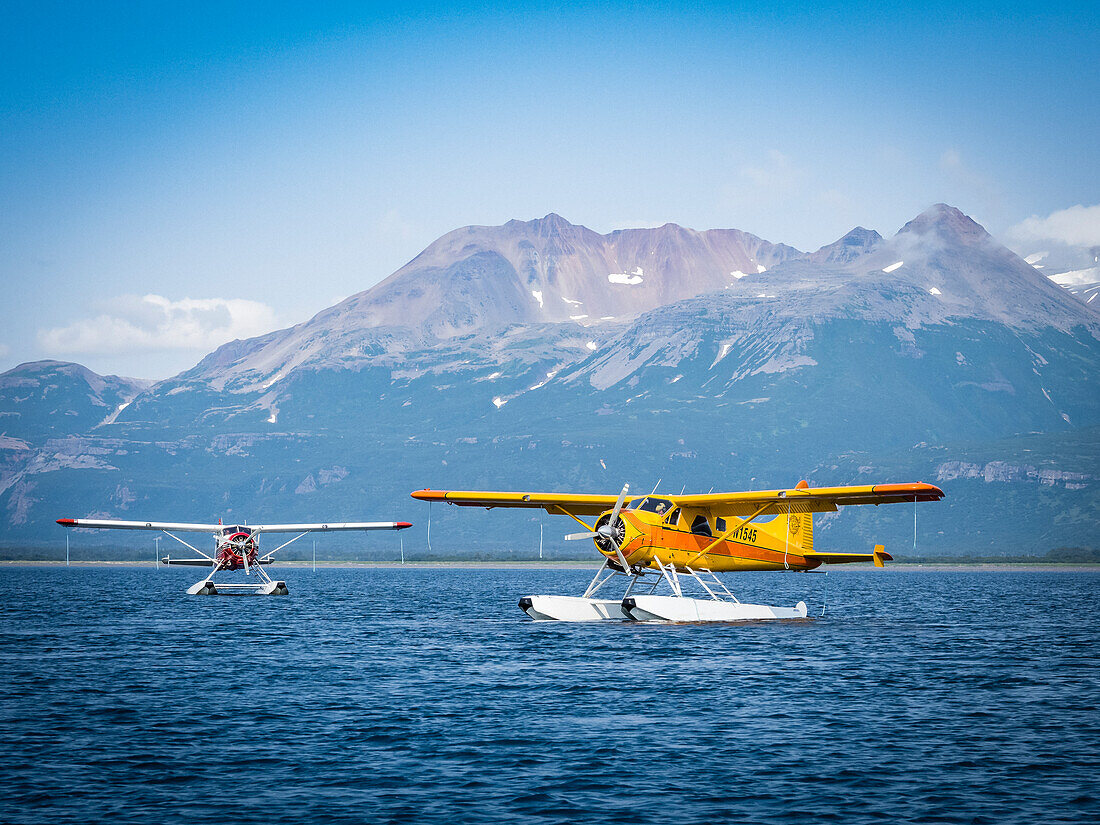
<point x="723" y="351"/>
<point x="1077" y="277"/>
<point x="633" y="279"/>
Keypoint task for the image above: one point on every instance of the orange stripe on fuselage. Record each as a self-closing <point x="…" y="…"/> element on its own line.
<point x="646" y="541"/>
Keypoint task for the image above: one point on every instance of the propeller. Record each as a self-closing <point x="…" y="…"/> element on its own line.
<point x="609" y="533"/>
<point x="612" y="531"/>
<point x="240" y="544"/>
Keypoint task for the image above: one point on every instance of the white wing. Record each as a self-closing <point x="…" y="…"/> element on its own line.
<point x="324" y="528"/>
<point x="180" y="527"/>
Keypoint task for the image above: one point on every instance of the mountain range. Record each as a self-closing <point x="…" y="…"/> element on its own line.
<point x="544" y="355"/>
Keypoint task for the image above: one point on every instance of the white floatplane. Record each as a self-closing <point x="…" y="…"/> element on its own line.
<point x="235" y="548"/>
<point x="656" y="540"/>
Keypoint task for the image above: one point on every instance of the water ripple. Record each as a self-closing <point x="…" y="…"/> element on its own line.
<point x="425" y="696"/>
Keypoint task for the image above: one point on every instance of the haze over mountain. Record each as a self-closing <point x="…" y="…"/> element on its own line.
<point x="543" y="355"/>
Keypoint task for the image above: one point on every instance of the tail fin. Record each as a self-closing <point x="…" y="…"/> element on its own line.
<point x="881" y="556"/>
<point x="800" y="526"/>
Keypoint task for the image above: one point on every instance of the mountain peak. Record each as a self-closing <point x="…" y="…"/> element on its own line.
<point x="945" y="220"/>
<point x="551" y="224"/>
<point x="855" y="244"/>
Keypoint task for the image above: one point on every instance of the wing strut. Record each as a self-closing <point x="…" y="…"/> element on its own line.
<point x="580" y="521"/>
<point x="189" y="547"/>
<point x="727" y="534"/>
<point x="267" y="556"/>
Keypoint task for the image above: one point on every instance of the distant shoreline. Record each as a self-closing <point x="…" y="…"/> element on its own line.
<point x="1035" y="567"/>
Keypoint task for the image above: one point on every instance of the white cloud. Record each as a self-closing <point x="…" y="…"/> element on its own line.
<point x="152" y="322"/>
<point x="1076" y="226"/>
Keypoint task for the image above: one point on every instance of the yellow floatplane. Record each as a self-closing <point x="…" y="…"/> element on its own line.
<point x="686" y="539"/>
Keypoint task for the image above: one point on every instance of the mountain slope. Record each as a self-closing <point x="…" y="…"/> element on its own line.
<point x="935" y="354"/>
<point x="479" y="279"/>
<point x="44" y="398"/>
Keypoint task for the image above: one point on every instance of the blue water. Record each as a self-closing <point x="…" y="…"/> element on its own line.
<point x="408" y="696"/>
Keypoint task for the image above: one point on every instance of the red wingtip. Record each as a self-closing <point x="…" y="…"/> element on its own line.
<point x="401" y="525"/>
<point x="66" y="521"/>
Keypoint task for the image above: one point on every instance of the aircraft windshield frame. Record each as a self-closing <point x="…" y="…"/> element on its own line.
<point x="650" y="505"/>
<point x="229" y="531"/>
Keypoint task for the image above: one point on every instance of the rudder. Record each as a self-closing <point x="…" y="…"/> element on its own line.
<point x="800" y="526"/>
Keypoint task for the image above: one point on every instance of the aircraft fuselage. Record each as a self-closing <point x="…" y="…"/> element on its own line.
<point x="654" y="530"/>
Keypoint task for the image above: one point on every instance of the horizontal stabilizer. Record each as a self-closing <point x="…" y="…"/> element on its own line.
<point x="877" y="558"/>
<point x="201" y="562"/>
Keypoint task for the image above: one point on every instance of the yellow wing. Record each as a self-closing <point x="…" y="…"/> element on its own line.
<point x="796" y="500"/>
<point x="803" y="499"/>
<point x="558" y="503"/>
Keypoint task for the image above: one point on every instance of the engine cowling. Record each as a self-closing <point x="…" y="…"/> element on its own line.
<point x="235" y="549"/>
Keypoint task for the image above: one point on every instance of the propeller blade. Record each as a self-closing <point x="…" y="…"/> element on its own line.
<point x="618" y="505"/>
<point x="577" y="536"/>
<point x="244" y="555"/>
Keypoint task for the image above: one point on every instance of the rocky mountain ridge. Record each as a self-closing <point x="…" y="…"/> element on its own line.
<point x="933" y="352"/>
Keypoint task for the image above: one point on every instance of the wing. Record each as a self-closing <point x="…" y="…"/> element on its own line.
<point x="326" y="528"/>
<point x="556" y="503"/>
<point x="179" y="527"/>
<point x="808" y="500"/>
<point x="795" y="500"/>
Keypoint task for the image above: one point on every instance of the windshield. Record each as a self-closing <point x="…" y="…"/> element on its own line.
<point x="651" y="504"/>
<point x="229" y="531"/>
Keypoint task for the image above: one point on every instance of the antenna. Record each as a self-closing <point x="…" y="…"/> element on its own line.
<point x="658" y="484"/>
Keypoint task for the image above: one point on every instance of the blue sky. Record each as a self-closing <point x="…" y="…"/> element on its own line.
<point x="249" y="164"/>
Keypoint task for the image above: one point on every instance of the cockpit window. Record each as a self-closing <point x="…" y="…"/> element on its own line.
<point x="673" y="517"/>
<point x="229" y="531"/>
<point x="660" y="506"/>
